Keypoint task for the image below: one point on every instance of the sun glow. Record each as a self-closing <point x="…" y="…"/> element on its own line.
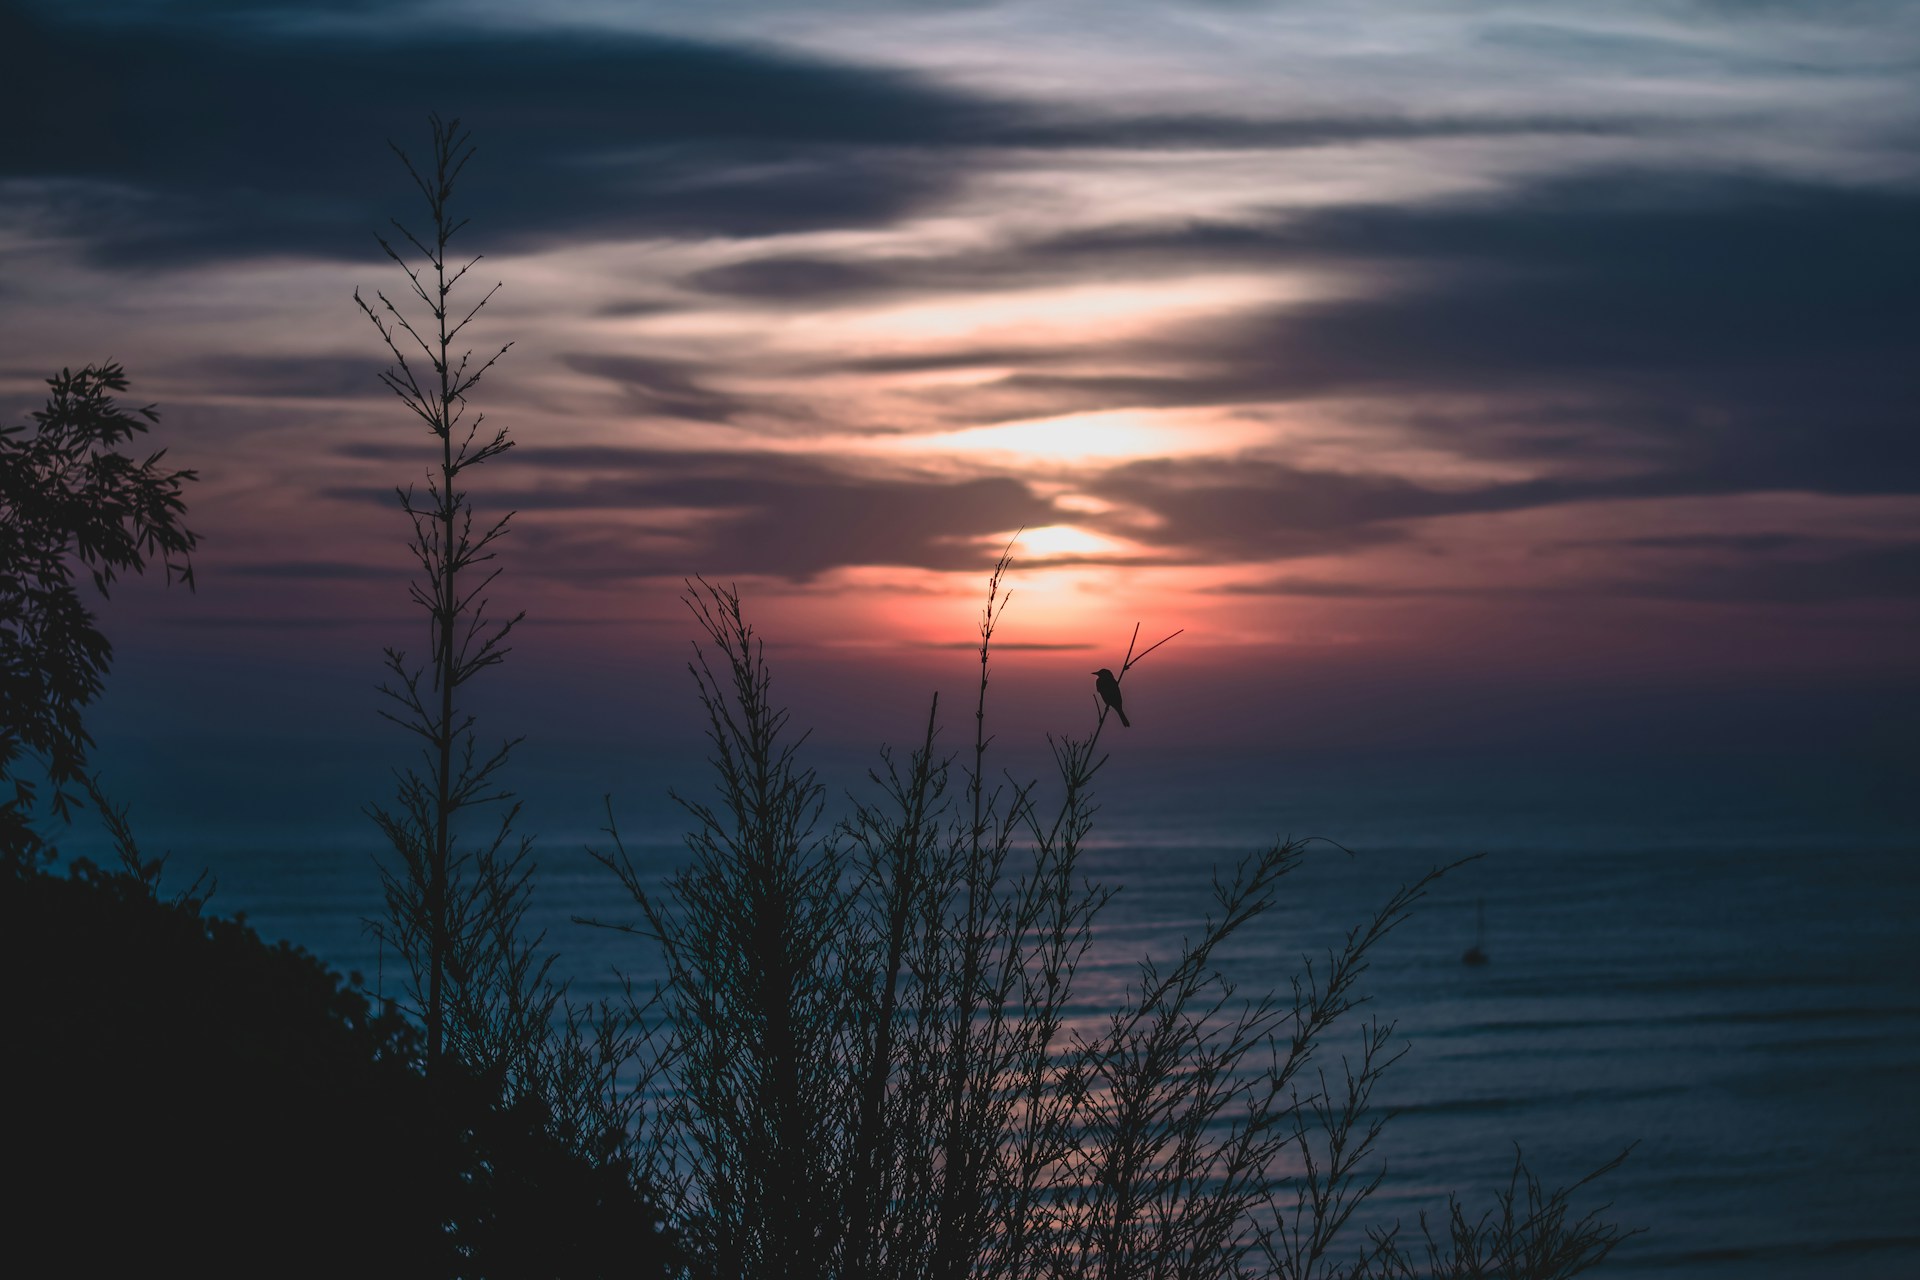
<point x="1055" y="540"/>
<point x="1117" y="435"/>
<point x="1079" y="314"/>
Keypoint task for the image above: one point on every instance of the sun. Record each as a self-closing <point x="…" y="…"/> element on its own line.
<point x="1060" y="540"/>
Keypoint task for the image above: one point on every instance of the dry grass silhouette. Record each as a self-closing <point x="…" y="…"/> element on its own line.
<point x="867" y="1057"/>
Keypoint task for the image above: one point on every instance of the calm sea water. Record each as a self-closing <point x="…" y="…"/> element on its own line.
<point x="1716" y="959"/>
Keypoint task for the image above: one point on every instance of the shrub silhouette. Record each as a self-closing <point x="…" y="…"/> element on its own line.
<point x="69" y="496"/>
<point x="867" y="1057"/>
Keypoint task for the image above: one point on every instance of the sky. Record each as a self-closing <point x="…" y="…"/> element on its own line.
<point x="1444" y="372"/>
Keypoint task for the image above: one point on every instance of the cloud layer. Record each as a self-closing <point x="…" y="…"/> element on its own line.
<point x="1554" y="311"/>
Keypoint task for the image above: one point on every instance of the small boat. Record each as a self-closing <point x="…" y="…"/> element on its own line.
<point x="1477" y="953"/>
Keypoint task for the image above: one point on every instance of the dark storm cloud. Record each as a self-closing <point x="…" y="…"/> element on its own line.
<point x="243" y="137"/>
<point x="1729" y="334"/>
<point x="1865" y="573"/>
<point x="1329" y="589"/>
<point x="962" y="358"/>
<point x="803" y="279"/>
<point x="669" y="388"/>
<point x="1253" y="133"/>
<point x="1716" y="229"/>
<point x="1250" y="508"/>
<point x="304" y="376"/>
<point x="315" y="570"/>
<point x="267" y="11"/>
<point x="1740" y="542"/>
<point x="1645" y="54"/>
<point x="748" y="513"/>
<point x="1825" y="571"/>
<point x="189" y="133"/>
<point x="298" y="624"/>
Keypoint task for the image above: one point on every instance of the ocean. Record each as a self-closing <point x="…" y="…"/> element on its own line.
<point x="1713" y="959"/>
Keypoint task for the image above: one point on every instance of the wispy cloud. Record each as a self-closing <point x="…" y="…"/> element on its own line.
<point x="782" y="515"/>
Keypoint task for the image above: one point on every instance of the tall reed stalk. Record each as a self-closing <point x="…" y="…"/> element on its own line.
<point x="455" y="904"/>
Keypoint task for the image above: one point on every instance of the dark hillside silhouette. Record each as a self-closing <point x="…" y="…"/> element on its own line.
<point x="179" y="1090"/>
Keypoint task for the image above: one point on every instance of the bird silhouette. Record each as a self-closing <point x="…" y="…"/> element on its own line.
<point x="1108" y="688"/>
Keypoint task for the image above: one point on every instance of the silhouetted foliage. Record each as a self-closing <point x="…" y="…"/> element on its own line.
<point x="1526" y="1234"/>
<point x="70" y="499"/>
<point x="867" y="1058"/>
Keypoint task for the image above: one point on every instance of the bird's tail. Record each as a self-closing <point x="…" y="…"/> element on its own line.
<point x="1124" y="722"/>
